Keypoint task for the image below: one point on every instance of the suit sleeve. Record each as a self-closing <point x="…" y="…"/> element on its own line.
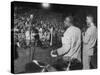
<point x="87" y="36"/>
<point x="66" y="42"/>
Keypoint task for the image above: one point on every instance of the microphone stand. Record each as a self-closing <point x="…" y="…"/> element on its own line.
<point x="32" y="49"/>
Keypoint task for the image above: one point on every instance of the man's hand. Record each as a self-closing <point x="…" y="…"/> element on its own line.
<point x="83" y="34"/>
<point x="53" y="53"/>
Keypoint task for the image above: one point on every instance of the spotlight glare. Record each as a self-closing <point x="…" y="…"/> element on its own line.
<point x="45" y="5"/>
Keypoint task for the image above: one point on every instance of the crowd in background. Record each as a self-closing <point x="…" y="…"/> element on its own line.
<point x="37" y="30"/>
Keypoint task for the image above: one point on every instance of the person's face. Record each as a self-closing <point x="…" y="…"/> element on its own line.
<point x="88" y="20"/>
<point x="67" y="21"/>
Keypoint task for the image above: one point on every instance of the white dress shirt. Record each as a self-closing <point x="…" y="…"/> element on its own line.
<point x="71" y="41"/>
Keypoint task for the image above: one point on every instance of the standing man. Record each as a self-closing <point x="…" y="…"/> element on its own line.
<point x="89" y="41"/>
<point x="27" y="35"/>
<point x="71" y="42"/>
<point x="51" y="32"/>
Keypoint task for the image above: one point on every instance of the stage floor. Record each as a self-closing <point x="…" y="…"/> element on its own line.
<point x="42" y="55"/>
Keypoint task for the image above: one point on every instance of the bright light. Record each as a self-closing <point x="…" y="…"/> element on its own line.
<point x="45" y="5"/>
<point x="31" y="16"/>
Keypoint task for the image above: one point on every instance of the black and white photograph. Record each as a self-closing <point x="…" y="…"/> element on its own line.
<point x="53" y="37"/>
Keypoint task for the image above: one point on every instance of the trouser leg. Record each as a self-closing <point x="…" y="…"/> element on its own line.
<point x="86" y="61"/>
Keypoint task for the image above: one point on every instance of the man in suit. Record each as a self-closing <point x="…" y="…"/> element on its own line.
<point x="71" y="42"/>
<point x="89" y="41"/>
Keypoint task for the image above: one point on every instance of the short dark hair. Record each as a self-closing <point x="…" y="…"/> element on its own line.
<point x="71" y="18"/>
<point x="90" y="15"/>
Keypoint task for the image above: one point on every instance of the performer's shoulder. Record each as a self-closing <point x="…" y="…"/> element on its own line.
<point x="76" y="28"/>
